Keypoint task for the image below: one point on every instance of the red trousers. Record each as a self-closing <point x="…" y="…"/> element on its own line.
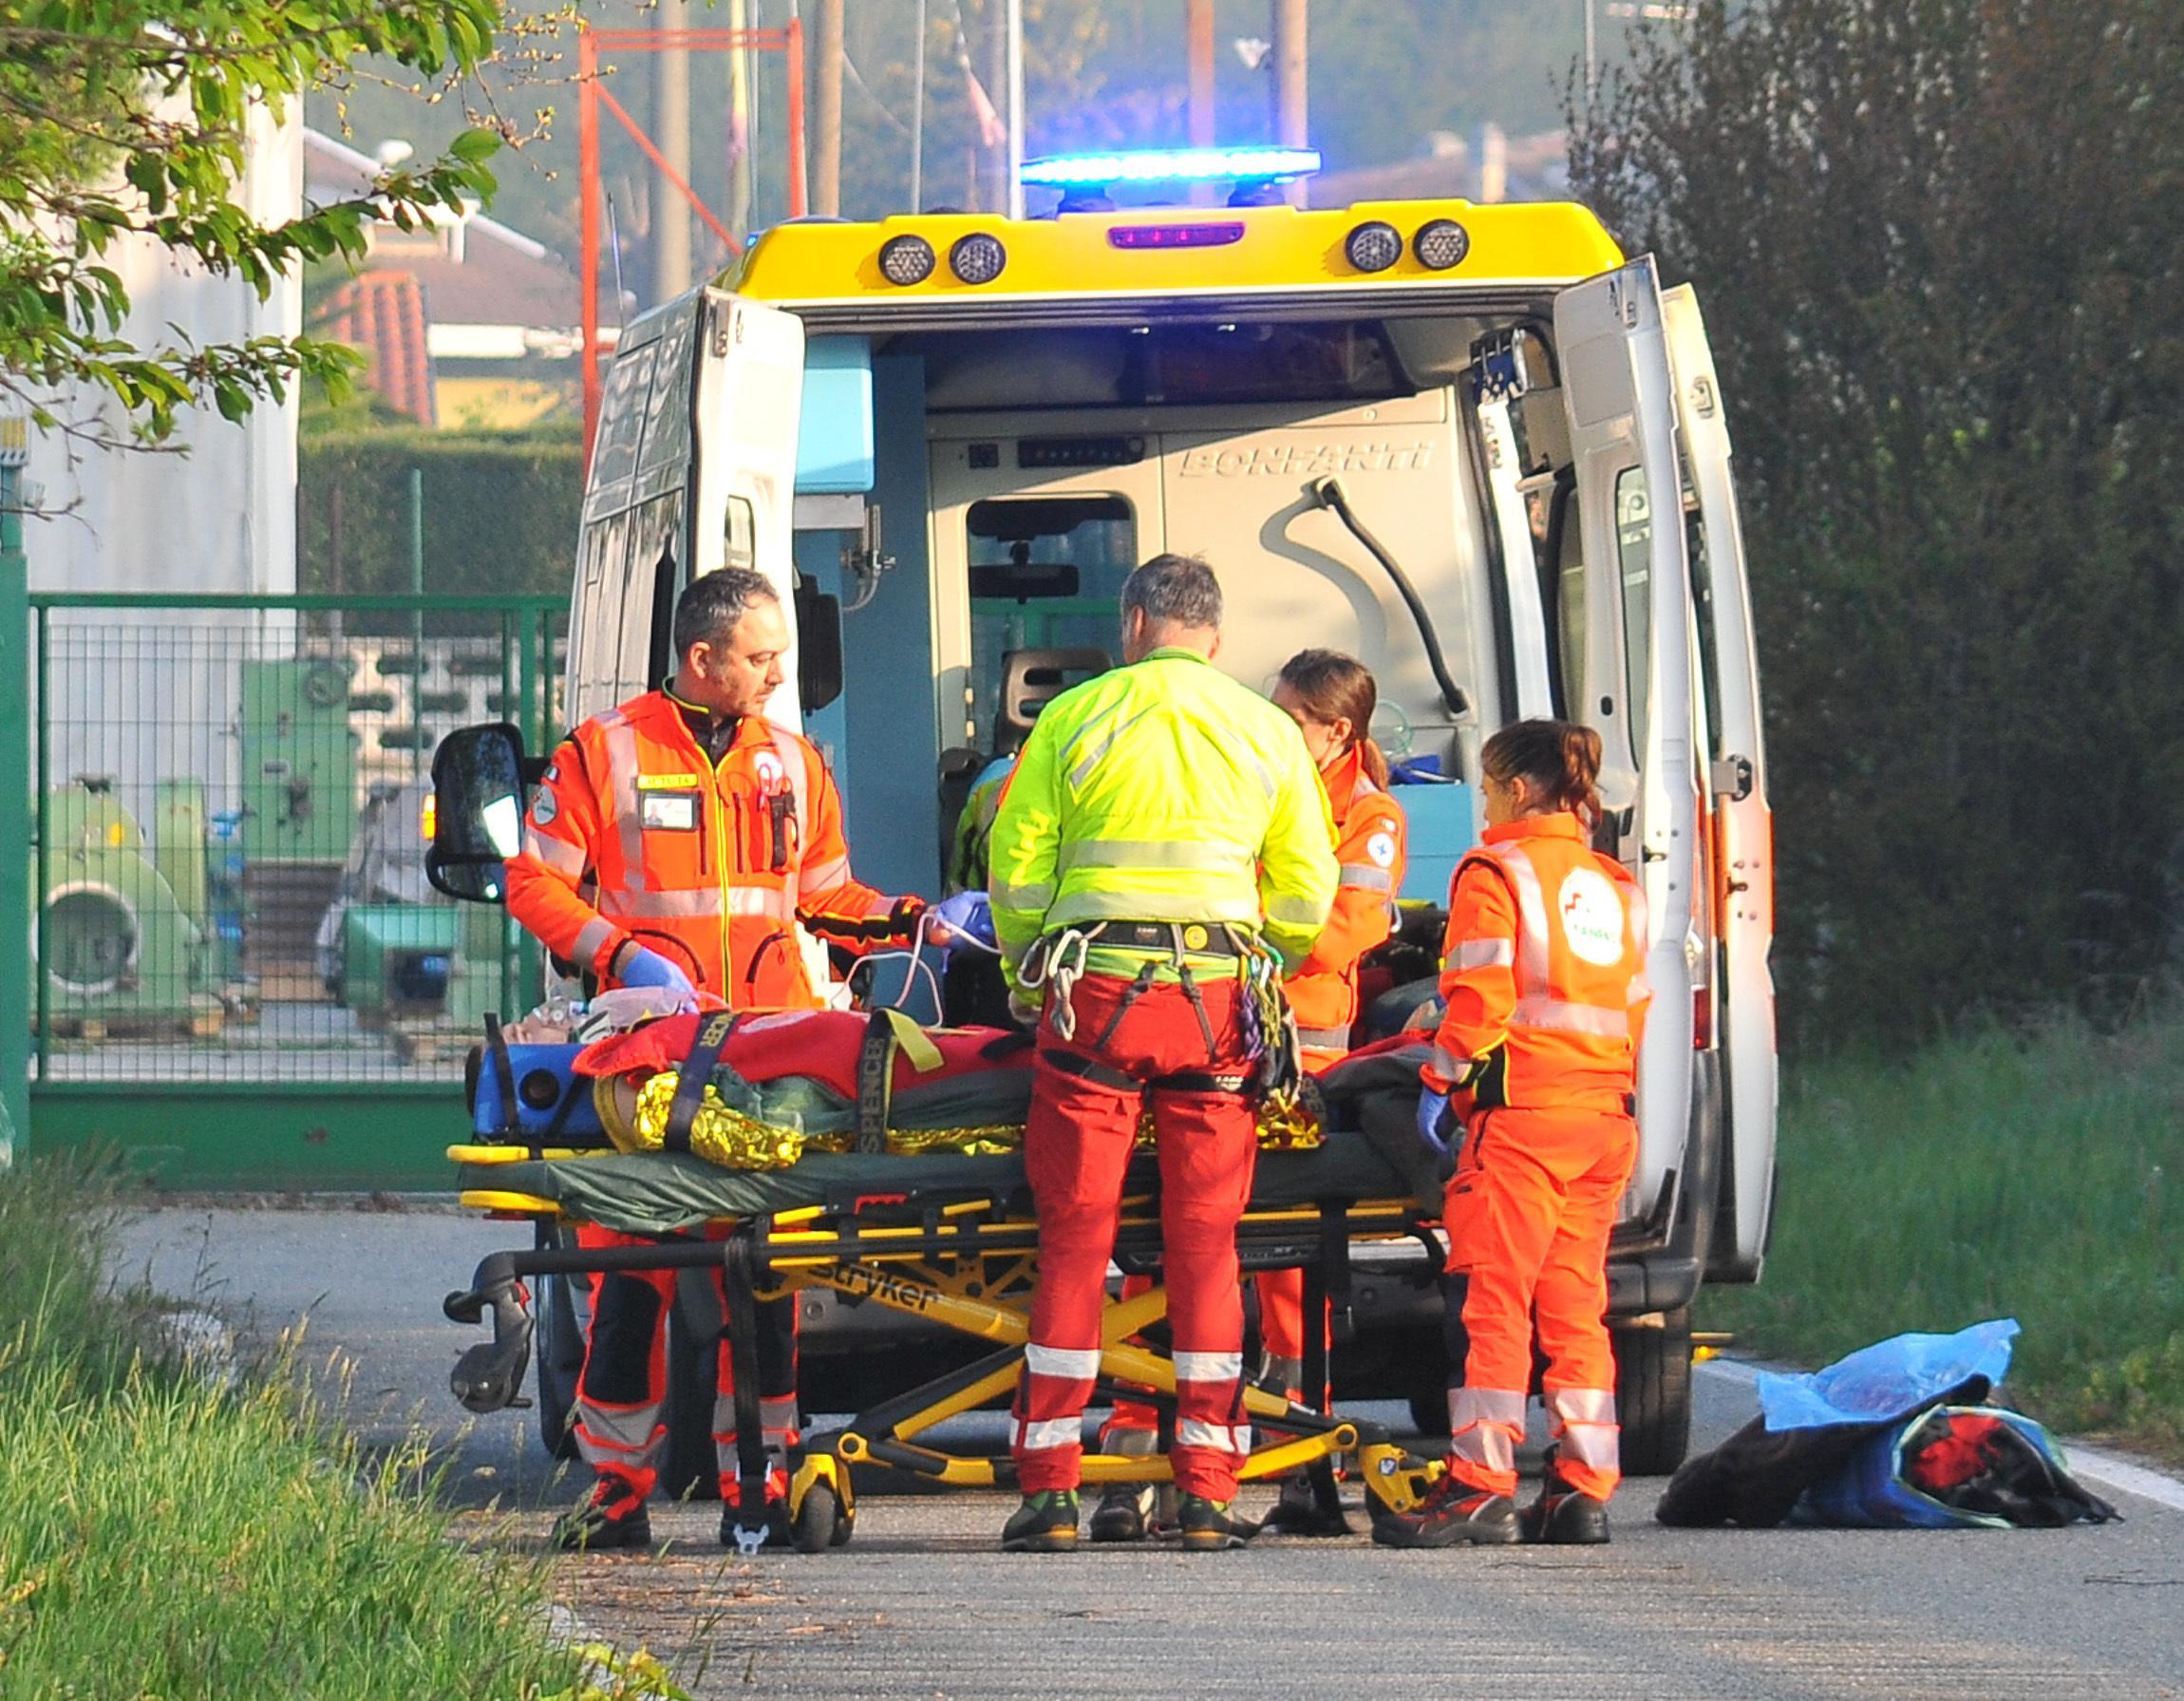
<point x="1529" y="1210"/>
<point x="622" y="1391"/>
<point x="1076" y="1147"/>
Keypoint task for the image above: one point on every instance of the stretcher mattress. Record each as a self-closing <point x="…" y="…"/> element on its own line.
<point x="664" y="1193"/>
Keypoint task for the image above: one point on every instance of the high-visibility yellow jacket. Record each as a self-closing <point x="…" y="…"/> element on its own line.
<point x="1162" y="791"/>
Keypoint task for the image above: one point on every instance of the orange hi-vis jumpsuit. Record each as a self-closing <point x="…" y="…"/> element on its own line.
<point x="641" y="831"/>
<point x="1545" y="976"/>
<point x="1323" y="995"/>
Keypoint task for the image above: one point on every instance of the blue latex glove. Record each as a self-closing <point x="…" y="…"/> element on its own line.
<point x="650" y="968"/>
<point x="969" y="917"/>
<point x="1434" y="1128"/>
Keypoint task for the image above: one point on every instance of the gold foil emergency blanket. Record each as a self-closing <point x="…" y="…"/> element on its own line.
<point x="722" y="1135"/>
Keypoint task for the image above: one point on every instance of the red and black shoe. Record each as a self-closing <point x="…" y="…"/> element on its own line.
<point x="1564" y="1517"/>
<point x="612" y="1516"/>
<point x="1452" y="1515"/>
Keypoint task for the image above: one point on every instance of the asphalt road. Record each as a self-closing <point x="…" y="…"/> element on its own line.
<point x="921" y="1607"/>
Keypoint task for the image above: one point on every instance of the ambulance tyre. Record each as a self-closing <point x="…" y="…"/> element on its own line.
<point x="689" y="1464"/>
<point x="820" y="1522"/>
<point x="558" y="1345"/>
<point x="1654" y="1394"/>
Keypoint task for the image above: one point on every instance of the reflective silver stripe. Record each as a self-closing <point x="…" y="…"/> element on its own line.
<point x="1238" y="909"/>
<point x="1207" y="1366"/>
<point x="1531" y="919"/>
<point x="1050" y="1433"/>
<point x="1091" y="758"/>
<point x="1367" y="876"/>
<point x="556" y="854"/>
<point x="664" y="906"/>
<point x="1211" y="855"/>
<point x="1559" y="1017"/>
<point x="607" y="1435"/>
<point x="1324" y="1039"/>
<point x="592" y="940"/>
<point x="1484" y="954"/>
<point x="778" y="1412"/>
<point x="1035" y="896"/>
<point x="1449" y="1067"/>
<point x="1486" y="1424"/>
<point x="1070" y="1363"/>
<point x="1639" y="990"/>
<point x="823" y="877"/>
<point x="1299" y="912"/>
<point x="1222" y="1438"/>
<point x="622" y="799"/>
<point x="1584" y="1423"/>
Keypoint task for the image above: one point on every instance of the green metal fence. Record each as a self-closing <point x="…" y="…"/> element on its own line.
<point x="239" y="971"/>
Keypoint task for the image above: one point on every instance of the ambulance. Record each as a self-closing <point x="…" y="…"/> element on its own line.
<point x="1474" y="445"/>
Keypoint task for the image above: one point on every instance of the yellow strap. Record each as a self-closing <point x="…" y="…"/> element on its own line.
<point x="923" y="1054"/>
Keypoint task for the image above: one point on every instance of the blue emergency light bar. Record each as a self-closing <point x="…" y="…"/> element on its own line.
<point x="1171" y="166"/>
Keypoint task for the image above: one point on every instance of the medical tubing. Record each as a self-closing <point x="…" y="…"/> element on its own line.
<point x="1328" y="493"/>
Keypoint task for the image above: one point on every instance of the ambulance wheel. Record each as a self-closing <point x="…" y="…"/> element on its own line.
<point x="820" y="1522"/>
<point x="1654" y="1394"/>
<point x="559" y="1345"/>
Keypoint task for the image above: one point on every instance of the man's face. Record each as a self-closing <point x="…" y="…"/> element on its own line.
<point x="735" y="675"/>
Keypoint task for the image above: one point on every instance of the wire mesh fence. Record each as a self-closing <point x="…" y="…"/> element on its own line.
<point x="232" y="809"/>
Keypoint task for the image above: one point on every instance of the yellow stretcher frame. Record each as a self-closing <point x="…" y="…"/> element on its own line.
<point x="966" y="1266"/>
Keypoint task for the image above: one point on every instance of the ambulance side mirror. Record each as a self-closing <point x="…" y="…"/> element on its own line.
<point x="478" y="785"/>
<point x="818" y="646"/>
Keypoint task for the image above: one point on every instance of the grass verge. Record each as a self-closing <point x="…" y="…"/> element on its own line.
<point x="166" y="1537"/>
<point x="1992" y="1175"/>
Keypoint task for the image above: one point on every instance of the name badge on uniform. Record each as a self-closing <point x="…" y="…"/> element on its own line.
<point x="669" y="811"/>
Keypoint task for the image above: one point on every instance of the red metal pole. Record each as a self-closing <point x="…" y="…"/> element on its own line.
<point x="796" y="55"/>
<point x="587" y="219"/>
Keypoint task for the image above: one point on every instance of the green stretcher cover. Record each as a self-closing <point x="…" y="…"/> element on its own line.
<point x="664" y="1193"/>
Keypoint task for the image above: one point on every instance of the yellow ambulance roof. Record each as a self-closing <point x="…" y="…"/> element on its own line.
<point x="832" y="266"/>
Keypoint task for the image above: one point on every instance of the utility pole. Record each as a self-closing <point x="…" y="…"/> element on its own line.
<point x="826" y="111"/>
<point x="917" y="115"/>
<point x="671" y="274"/>
<point x="740" y="178"/>
<point x="1290" y="49"/>
<point x="1592" y="57"/>
<point x="18" y="964"/>
<point x="1198" y="36"/>
<point x="1015" y="24"/>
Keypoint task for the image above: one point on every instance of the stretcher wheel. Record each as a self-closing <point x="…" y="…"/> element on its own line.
<point x="820" y="1522"/>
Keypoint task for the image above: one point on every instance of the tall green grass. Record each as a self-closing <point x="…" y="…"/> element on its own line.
<point x="164" y="1535"/>
<point x="2030" y="1176"/>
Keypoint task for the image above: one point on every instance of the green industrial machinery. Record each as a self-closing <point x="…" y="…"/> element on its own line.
<point x="298" y="761"/>
<point x="435" y="961"/>
<point x="115" y="943"/>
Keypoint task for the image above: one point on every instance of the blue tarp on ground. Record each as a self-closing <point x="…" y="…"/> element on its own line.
<point x="1888" y="1380"/>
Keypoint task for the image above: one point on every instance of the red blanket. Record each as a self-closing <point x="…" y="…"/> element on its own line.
<point x="821" y="1043"/>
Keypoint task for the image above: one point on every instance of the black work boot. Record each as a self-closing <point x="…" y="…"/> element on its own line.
<point x="1124" y="1512"/>
<point x="612" y="1514"/>
<point x="1044" y="1524"/>
<point x="1564" y="1517"/>
<point x="1452" y="1515"/>
<point x="1298" y="1512"/>
<point x="1208" y="1526"/>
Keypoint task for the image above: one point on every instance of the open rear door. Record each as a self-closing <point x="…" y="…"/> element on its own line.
<point x="749" y="401"/>
<point x="1743" y="832"/>
<point x="1632" y="681"/>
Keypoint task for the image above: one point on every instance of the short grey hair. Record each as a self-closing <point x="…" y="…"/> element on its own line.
<point x="710" y="607"/>
<point x="1177" y="589"/>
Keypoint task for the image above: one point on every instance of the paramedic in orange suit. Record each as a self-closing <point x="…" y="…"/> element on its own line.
<point x="679" y="842"/>
<point x="1544" y="975"/>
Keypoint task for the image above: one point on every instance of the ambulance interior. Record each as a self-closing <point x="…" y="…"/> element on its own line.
<point x="1019" y="475"/>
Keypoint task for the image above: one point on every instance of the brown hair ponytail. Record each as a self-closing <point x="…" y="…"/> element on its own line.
<point x="1559" y="760"/>
<point x="1333" y="686"/>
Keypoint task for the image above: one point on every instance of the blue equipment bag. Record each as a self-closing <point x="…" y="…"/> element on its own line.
<point x="1874" y="1492"/>
<point x="542" y="1079"/>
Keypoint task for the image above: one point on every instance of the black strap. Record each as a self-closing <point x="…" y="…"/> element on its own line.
<point x="876" y="1082"/>
<point x="1334" y="1266"/>
<point x="697" y="1070"/>
<point x="1131" y="993"/>
<point x="503" y="1076"/>
<point x="1236" y="1084"/>
<point x="737" y="1264"/>
<point x="1087" y="1068"/>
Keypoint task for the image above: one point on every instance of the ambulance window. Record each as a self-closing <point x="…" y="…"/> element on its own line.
<point x="1046" y="572"/>
<point x="1634" y="550"/>
<point x="743" y="544"/>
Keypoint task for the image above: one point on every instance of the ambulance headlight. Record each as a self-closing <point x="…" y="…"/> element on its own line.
<point x="1373" y="247"/>
<point x="906" y="259"/>
<point x="1440" y="243"/>
<point x="977" y="259"/>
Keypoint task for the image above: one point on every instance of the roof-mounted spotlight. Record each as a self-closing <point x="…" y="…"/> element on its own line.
<point x="906" y="260"/>
<point x="977" y="259"/>
<point x="1373" y="246"/>
<point x="1440" y="243"/>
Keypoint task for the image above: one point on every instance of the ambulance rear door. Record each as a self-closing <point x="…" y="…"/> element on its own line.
<point x="1743" y="827"/>
<point x="1633" y="683"/>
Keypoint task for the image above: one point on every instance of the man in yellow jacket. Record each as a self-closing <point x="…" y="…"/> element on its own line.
<point x="1164" y="839"/>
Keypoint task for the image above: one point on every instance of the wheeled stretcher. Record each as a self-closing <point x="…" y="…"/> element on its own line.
<point x="952" y="1239"/>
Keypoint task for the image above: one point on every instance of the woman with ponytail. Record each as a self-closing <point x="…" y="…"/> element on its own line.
<point x="1536" y="1061"/>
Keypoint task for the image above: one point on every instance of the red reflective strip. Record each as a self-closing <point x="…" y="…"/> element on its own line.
<point x="1202" y="235"/>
